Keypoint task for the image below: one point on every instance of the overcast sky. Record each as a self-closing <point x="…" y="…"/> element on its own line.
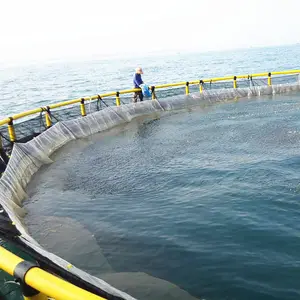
<point x="41" y="30"/>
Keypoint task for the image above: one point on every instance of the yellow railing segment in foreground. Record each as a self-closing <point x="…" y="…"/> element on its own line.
<point x="117" y="94"/>
<point x="45" y="283"/>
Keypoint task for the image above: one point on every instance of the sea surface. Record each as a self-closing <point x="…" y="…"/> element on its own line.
<point x="27" y="87"/>
<point x="206" y="199"/>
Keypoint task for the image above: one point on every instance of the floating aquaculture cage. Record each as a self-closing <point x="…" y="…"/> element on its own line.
<point x="30" y="138"/>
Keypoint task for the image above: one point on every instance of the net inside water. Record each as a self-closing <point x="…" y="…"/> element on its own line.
<point x="172" y="205"/>
<point x="204" y="200"/>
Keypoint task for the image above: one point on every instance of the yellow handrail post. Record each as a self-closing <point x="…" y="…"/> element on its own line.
<point x="48" y="117"/>
<point x="269" y="79"/>
<point x="153" y="96"/>
<point x="82" y="107"/>
<point x="187" y="89"/>
<point x="11" y="130"/>
<point x="118" y="101"/>
<point x="201" y="86"/>
<point x="234" y="82"/>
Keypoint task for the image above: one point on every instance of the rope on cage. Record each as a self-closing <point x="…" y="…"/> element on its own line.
<point x="99" y="103"/>
<point x="41" y="120"/>
<point x="51" y="114"/>
<point x="102" y="101"/>
<point x="251" y="80"/>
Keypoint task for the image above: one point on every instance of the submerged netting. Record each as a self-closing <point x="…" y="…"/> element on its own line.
<point x="27" y="158"/>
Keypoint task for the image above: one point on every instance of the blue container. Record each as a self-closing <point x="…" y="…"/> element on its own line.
<point x="145" y="90"/>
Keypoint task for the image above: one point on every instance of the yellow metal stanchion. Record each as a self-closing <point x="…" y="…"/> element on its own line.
<point x="118" y="101"/>
<point x="153" y="96"/>
<point x="201" y="86"/>
<point x="11" y="130"/>
<point x="269" y="79"/>
<point x="48" y="120"/>
<point x="48" y="117"/>
<point x="234" y="82"/>
<point x="187" y="89"/>
<point x="82" y="108"/>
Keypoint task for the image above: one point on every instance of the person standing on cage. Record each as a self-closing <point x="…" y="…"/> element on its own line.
<point x="137" y="81"/>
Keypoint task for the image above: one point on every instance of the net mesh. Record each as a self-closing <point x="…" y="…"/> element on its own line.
<point x="33" y="126"/>
<point x="27" y="158"/>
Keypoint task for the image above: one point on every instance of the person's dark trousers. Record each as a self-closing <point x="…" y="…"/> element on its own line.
<point x="137" y="95"/>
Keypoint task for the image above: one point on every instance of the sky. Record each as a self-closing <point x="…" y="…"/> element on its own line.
<point x="35" y="30"/>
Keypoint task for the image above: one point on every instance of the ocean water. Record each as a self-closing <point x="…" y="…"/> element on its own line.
<point x="32" y="86"/>
<point x="205" y="199"/>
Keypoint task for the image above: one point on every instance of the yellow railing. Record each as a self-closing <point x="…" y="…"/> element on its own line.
<point x="39" y="284"/>
<point x="117" y="94"/>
